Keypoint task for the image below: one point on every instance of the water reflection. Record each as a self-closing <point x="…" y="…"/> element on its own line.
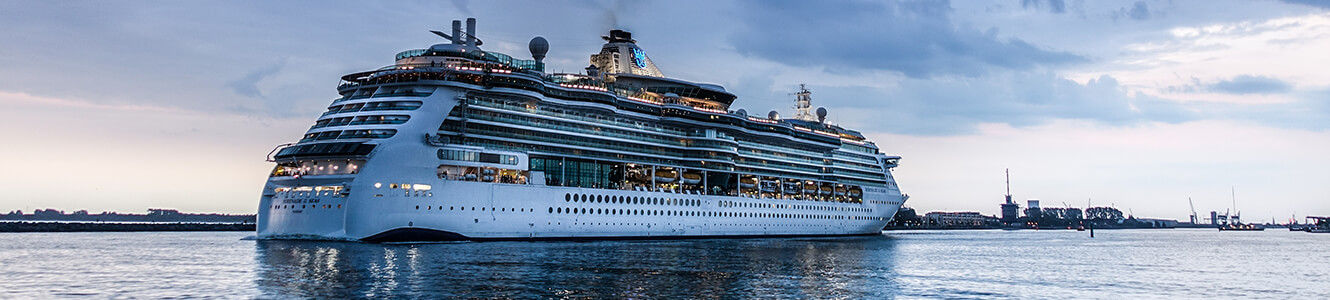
<point x="822" y="268"/>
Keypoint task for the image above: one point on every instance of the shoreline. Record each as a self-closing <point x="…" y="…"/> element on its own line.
<point x="66" y="226"/>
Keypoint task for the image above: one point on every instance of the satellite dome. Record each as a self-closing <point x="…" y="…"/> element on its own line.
<point x="539" y="47"/>
<point x="822" y="114"/>
<point x="773" y="115"/>
<point x="742" y="113"/>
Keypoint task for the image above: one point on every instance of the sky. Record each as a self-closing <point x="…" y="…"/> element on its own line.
<point x="1141" y="105"/>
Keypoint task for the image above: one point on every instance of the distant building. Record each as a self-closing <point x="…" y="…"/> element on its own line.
<point x="1032" y="210"/>
<point x="1010" y="210"/>
<point x="905" y="218"/>
<point x="1159" y="223"/>
<point x="1103" y="213"/>
<point x="955" y="219"/>
<point x="162" y="212"/>
<point x="1069" y="213"/>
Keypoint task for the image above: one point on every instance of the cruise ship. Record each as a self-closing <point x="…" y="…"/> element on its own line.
<point x="453" y="142"/>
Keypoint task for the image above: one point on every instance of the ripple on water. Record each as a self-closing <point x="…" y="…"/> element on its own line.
<point x="930" y="264"/>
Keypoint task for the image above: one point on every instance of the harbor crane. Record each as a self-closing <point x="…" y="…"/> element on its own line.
<point x="1193" y="210"/>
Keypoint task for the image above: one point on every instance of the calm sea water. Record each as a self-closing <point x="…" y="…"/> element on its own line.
<point x="1181" y="263"/>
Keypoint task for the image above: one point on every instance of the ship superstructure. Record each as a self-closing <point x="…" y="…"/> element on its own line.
<point x="454" y="142"/>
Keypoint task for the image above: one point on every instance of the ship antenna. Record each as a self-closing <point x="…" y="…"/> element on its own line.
<point x="803" y="102"/>
<point x="1008" y="185"/>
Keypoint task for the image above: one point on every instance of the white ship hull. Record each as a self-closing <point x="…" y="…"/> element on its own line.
<point x="461" y="210"/>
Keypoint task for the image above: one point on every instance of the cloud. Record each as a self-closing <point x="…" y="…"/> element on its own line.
<point x="248" y="85"/>
<point x="1054" y="6"/>
<point x="1315" y="3"/>
<point x="1250" y="84"/>
<point x="915" y="38"/>
<point x="1139" y="11"/>
<point x="1310" y="112"/>
<point x="461" y="6"/>
<point x="1057" y="6"/>
<point x="1022" y="99"/>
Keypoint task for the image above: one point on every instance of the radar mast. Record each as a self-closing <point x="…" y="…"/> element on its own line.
<point x="803" y="103"/>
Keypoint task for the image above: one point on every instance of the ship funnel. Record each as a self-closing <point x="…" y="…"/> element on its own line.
<point x="620" y="55"/>
<point x="619" y="36"/>
<point x="457" y="32"/>
<point x="470" y="32"/>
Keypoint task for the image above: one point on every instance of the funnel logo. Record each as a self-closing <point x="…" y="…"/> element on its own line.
<point x="639" y="58"/>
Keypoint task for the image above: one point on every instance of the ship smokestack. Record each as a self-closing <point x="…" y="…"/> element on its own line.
<point x="457" y="32"/>
<point x="470" y="32"/>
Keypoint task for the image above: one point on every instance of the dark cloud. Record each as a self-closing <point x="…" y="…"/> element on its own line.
<point x="917" y="38"/>
<point x="1057" y="6"/>
<point x="959" y="105"/>
<point x="214" y="56"/>
<point x="248" y="85"/>
<point x="1250" y="84"/>
<point x="1139" y="11"/>
<point x="1027" y="4"/>
<point x="1311" y="111"/>
<point x="617" y="13"/>
<point x="1054" y="6"/>
<point x="1316" y="3"/>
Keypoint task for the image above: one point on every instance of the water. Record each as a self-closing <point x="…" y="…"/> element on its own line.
<point x="1181" y="263"/>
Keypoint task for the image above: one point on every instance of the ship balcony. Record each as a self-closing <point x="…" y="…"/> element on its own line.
<point x="711" y="159"/>
<point x="393" y="94"/>
<point x="536" y="111"/>
<point x="694" y="142"/>
<point x="349" y="134"/>
<point x="777" y="166"/>
<point x="758" y="154"/>
<point x="872" y="170"/>
<point x="794" y="162"/>
<point x="317" y="167"/>
<point x="781" y="149"/>
<point x="374" y="106"/>
<point x="342" y="150"/>
<point x="361" y="120"/>
<point x="597" y="140"/>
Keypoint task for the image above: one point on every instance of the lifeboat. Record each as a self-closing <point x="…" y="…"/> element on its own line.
<point x="841" y="190"/>
<point x="856" y="192"/>
<point x="825" y="190"/>
<point x="769" y="185"/>
<point x="748" y="182"/>
<point x="692" y="177"/>
<point x="791" y="187"/>
<point x="810" y="188"/>
<point x="666" y="175"/>
<point x="638" y="176"/>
